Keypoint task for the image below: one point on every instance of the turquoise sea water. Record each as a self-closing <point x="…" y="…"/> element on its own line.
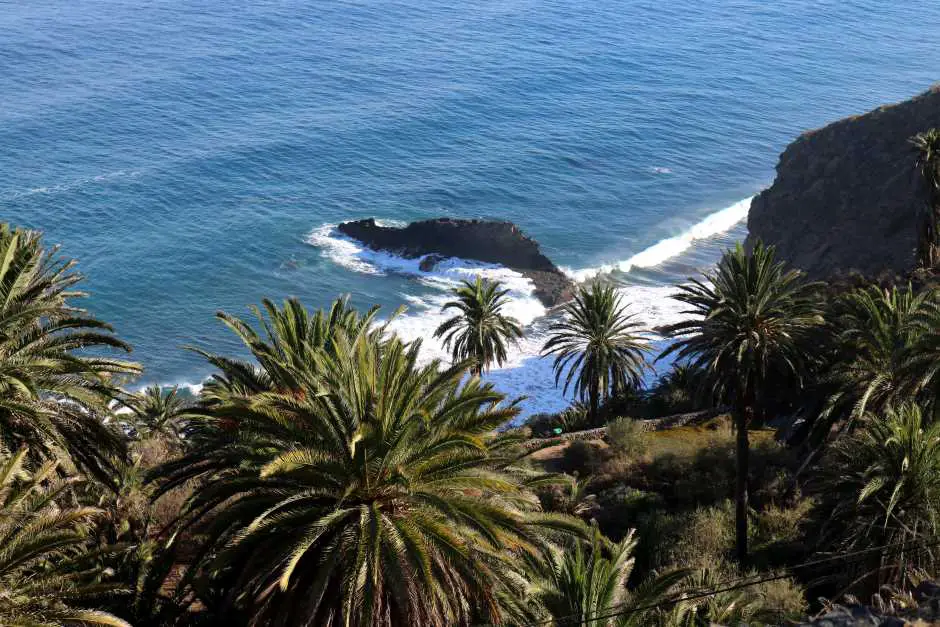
<point x="193" y="155"/>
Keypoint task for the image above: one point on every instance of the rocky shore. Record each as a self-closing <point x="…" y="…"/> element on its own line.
<point x="494" y="242"/>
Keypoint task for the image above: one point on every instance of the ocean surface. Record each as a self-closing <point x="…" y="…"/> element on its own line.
<point x="195" y="155"/>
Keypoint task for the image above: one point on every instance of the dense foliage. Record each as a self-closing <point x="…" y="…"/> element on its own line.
<point x="750" y="329"/>
<point x="335" y="477"/>
<point x="479" y="333"/>
<point x="598" y="346"/>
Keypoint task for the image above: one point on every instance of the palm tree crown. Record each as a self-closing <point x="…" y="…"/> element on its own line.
<point x="881" y="337"/>
<point x="597" y="346"/>
<point x="288" y="343"/>
<point x="587" y="585"/>
<point x="373" y="493"/>
<point x="41" y="549"/>
<point x="480" y="331"/>
<point x="53" y="391"/>
<point x="750" y="323"/>
<point x="882" y="488"/>
<point x="162" y="413"/>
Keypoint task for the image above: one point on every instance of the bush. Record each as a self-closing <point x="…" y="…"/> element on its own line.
<point x="679" y="391"/>
<point x="621" y="508"/>
<point x="574" y="418"/>
<point x="541" y="425"/>
<point x="781" y="601"/>
<point x="626" y="437"/>
<point x="582" y="458"/>
<point x="706" y="536"/>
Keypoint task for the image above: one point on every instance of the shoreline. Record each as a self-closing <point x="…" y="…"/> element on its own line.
<point x="525" y="373"/>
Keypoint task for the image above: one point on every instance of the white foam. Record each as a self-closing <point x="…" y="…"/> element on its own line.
<point x="524" y="373"/>
<point x="663" y="250"/>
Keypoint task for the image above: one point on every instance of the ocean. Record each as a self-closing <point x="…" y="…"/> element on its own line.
<point x="195" y="155"/>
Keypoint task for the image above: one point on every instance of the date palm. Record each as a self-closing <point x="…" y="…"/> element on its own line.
<point x="586" y="584"/>
<point x="480" y="332"/>
<point x="42" y="546"/>
<point x="55" y="380"/>
<point x="879" y="335"/>
<point x="290" y="338"/>
<point x="597" y="345"/>
<point x="881" y="487"/>
<point x="374" y="492"/>
<point x="748" y="330"/>
<point x="162" y="413"/>
<point x="927" y="145"/>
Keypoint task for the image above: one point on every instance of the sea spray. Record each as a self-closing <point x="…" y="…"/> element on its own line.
<point x="671" y="247"/>
<point x="525" y="373"/>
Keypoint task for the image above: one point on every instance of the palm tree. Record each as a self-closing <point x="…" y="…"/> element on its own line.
<point x="291" y="338"/>
<point x="928" y="146"/>
<point x="162" y="413"/>
<point x="375" y="492"/>
<point x="599" y="346"/>
<point x="54" y="384"/>
<point x="882" y="488"/>
<point x="879" y="334"/>
<point x="480" y="332"/>
<point x="587" y="585"/>
<point x="751" y="319"/>
<point x="43" y="547"/>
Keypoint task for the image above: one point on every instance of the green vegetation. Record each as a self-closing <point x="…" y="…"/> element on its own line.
<point x="598" y="345"/>
<point x="751" y="331"/>
<point x="927" y="145"/>
<point x="53" y="398"/>
<point x="480" y="332"/>
<point x="333" y="477"/>
<point x="44" y="553"/>
<point x="372" y="487"/>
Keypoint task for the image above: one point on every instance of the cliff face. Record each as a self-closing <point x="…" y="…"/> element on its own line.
<point x="847" y="197"/>
<point x="491" y="242"/>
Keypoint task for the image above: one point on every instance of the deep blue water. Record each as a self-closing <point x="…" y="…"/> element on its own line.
<point x="185" y="151"/>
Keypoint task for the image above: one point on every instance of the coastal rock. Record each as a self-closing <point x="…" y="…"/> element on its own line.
<point x="480" y="240"/>
<point x="848" y="198"/>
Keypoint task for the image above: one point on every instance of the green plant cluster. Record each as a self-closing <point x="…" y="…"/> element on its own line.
<point x="333" y="477"/>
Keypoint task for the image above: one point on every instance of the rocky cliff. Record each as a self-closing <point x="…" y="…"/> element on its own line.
<point x="488" y="241"/>
<point x="847" y="197"/>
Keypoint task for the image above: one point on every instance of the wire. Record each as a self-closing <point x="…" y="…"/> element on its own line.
<point x="733" y="584"/>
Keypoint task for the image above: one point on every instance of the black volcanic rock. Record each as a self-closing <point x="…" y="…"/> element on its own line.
<point x="847" y="198"/>
<point x="480" y="240"/>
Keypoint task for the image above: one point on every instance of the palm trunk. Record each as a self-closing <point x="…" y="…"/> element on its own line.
<point x="595" y="402"/>
<point x="742" y="418"/>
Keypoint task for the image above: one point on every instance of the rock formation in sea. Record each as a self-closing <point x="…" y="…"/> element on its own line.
<point x="848" y="197"/>
<point x="480" y="240"/>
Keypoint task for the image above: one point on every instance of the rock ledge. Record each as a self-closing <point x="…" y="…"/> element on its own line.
<point x="494" y="242"/>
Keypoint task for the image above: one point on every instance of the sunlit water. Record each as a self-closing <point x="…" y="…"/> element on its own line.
<point x="194" y="155"/>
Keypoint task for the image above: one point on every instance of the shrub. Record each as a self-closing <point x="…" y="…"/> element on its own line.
<point x="771" y="602"/>
<point x="621" y="508"/>
<point x="626" y="437"/>
<point x="706" y="536"/>
<point x="679" y="391"/>
<point x="541" y="425"/>
<point x="782" y="601"/>
<point x="582" y="458"/>
<point x="575" y="418"/>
